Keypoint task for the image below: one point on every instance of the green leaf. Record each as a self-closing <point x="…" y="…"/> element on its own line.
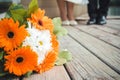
<point x="58" y="29"/>
<point x="18" y="15"/>
<point x="20" y="12"/>
<point x="17" y="12"/>
<point x="61" y="31"/>
<point x="1" y="55"/>
<point x="63" y="57"/>
<point x="2" y="72"/>
<point x="65" y="54"/>
<point x="28" y="73"/>
<point x="56" y="21"/>
<point x="60" y="61"/>
<point x="33" y="6"/>
<point x="7" y="15"/>
<point x="15" y="7"/>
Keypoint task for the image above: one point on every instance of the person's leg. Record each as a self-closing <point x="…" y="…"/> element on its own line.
<point x="104" y="5"/>
<point x="92" y="8"/>
<point x="102" y="12"/>
<point x="62" y="9"/>
<point x="92" y="11"/>
<point x="70" y="13"/>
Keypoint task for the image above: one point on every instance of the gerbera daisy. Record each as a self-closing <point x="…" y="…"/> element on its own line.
<point x="21" y="61"/>
<point x="11" y="35"/>
<point x="40" y="21"/>
<point x="55" y="43"/>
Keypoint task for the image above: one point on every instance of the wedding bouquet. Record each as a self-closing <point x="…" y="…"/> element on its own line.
<point x="28" y="41"/>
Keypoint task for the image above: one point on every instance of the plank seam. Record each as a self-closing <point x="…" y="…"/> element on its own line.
<point x="68" y="72"/>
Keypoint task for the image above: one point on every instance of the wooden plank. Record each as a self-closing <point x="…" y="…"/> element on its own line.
<point x="100" y="34"/>
<point x="111" y="23"/>
<point x="114" y="21"/>
<point x="115" y="24"/>
<point x="112" y="26"/>
<point x="107" y="53"/>
<point x="56" y="73"/>
<point x="84" y="65"/>
<point x="86" y="17"/>
<point x="108" y="29"/>
<point x="113" y="17"/>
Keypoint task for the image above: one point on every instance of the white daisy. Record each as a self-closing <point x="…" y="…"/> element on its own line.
<point x="39" y="41"/>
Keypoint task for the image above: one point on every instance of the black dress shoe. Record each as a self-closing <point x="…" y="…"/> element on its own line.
<point x="91" y="21"/>
<point x="101" y="20"/>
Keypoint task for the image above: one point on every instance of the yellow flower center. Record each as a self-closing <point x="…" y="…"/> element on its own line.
<point x="10" y="34"/>
<point x="19" y="59"/>
<point x="41" y="43"/>
<point x="28" y="35"/>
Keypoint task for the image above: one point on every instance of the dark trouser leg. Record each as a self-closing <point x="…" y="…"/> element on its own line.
<point x="92" y="8"/>
<point x="92" y="11"/>
<point x="103" y="9"/>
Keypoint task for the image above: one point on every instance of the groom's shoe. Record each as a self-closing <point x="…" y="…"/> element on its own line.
<point x="101" y="20"/>
<point x="91" y="21"/>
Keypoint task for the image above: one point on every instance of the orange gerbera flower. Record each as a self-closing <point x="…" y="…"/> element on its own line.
<point x="48" y="62"/>
<point x="50" y="58"/>
<point x="21" y="61"/>
<point x="40" y="21"/>
<point x="11" y="35"/>
<point x="55" y="43"/>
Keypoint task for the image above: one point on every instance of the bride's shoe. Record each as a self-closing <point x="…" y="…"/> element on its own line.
<point x="65" y="23"/>
<point x="73" y="23"/>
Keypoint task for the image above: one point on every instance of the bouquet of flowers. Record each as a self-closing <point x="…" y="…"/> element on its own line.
<point x="28" y="41"/>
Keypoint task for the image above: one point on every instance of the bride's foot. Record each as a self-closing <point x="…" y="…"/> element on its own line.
<point x="65" y="23"/>
<point x="73" y="23"/>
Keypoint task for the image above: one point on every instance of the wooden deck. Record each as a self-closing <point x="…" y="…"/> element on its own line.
<point x="95" y="50"/>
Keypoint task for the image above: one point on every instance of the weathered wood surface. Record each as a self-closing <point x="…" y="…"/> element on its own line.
<point x="95" y="31"/>
<point x="85" y="65"/>
<point x="96" y="51"/>
<point x="107" y="53"/>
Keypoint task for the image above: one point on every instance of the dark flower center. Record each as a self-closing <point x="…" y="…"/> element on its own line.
<point x="10" y="34"/>
<point x="19" y="59"/>
<point x="40" y="22"/>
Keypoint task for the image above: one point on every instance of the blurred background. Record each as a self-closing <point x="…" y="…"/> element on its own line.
<point x="114" y="8"/>
<point x="50" y="6"/>
<point x="4" y="4"/>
